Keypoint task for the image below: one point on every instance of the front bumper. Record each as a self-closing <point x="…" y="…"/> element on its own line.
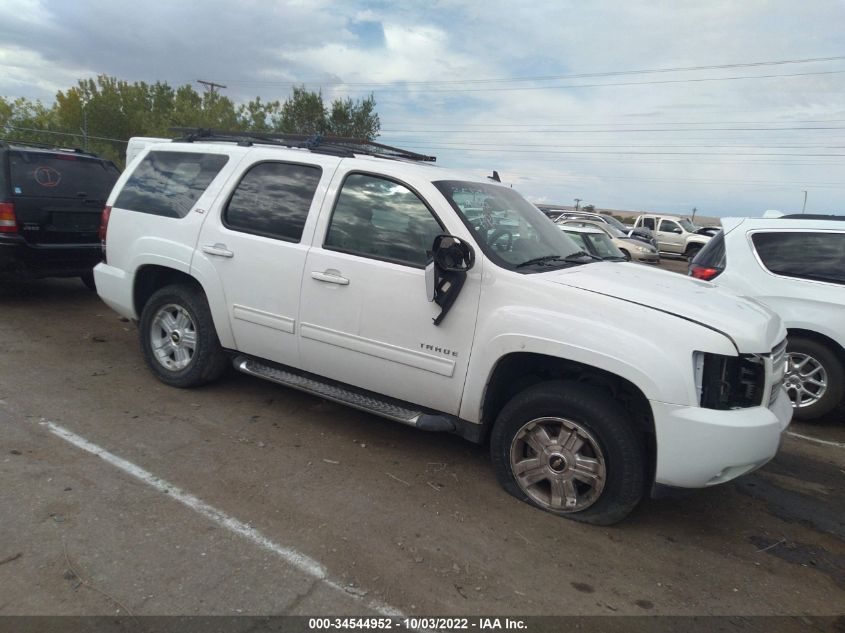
<point x="646" y="258"/>
<point x="699" y="447"/>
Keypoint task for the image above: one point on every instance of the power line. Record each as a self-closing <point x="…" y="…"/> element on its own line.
<point x="601" y="123"/>
<point x="623" y="83"/>
<point x="546" y="77"/>
<point x="626" y="131"/>
<point x="31" y="129"/>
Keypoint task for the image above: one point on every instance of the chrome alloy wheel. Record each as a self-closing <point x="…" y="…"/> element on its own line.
<point x="805" y="380"/>
<point x="558" y="464"/>
<point x="173" y="337"/>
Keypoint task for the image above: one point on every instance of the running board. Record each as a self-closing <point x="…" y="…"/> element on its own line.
<point x="370" y="403"/>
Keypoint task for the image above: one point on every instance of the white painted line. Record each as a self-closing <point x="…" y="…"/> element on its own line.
<point x="816" y="440"/>
<point x="300" y="561"/>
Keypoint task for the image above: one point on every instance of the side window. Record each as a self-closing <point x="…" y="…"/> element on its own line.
<point x="383" y="219"/>
<point x="169" y="183"/>
<point x="273" y="199"/>
<point x="648" y="223"/>
<point x="669" y="226"/>
<point x="805" y="254"/>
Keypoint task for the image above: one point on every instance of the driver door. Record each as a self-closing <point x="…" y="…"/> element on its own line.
<point x="365" y="317"/>
<point x="670" y="237"/>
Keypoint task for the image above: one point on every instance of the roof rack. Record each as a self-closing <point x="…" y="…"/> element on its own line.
<point x="334" y="145"/>
<point x="812" y="216"/>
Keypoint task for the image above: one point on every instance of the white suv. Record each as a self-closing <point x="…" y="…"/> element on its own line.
<point x="370" y="277"/>
<point x="795" y="265"/>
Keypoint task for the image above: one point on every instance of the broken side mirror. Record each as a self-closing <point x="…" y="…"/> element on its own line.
<point x="451" y="258"/>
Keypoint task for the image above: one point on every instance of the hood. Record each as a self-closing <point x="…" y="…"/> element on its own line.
<point x="751" y="326"/>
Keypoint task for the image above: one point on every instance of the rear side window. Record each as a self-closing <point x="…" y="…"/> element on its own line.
<point x="648" y="223"/>
<point x="713" y="254"/>
<point x="273" y="200"/>
<point x="45" y="175"/>
<point x="810" y="255"/>
<point x="382" y="219"/>
<point x="169" y="183"/>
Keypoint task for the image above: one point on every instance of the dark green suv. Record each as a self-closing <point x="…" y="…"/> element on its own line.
<point x="51" y="201"/>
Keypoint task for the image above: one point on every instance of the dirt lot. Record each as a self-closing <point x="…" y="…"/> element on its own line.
<point x="122" y="495"/>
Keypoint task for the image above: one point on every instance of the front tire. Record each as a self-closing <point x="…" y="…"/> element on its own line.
<point x="178" y="338"/>
<point x="815" y="379"/>
<point x="691" y="252"/>
<point x="569" y="449"/>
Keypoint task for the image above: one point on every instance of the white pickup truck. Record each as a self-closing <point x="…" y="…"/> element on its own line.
<point x="354" y="272"/>
<point x="674" y="235"/>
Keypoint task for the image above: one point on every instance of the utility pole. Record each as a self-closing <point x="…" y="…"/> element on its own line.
<point x="804" y="207"/>
<point x="85" y="126"/>
<point x="210" y="86"/>
<point x="577" y="202"/>
<point x="694" y="209"/>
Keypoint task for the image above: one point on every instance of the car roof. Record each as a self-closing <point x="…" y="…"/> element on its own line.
<point x="581" y="229"/>
<point x="389" y="166"/>
<point x="729" y="224"/>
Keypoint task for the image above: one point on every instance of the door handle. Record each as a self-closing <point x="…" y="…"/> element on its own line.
<point x="332" y="277"/>
<point x="218" y="249"/>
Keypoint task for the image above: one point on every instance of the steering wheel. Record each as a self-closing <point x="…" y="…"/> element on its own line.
<point x="497" y="235"/>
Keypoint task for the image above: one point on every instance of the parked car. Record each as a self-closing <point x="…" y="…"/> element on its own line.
<point x="332" y="270"/>
<point x="796" y="266"/>
<point x="596" y="242"/>
<point x="675" y="236"/>
<point x="638" y="233"/>
<point x="631" y="248"/>
<point x="51" y="200"/>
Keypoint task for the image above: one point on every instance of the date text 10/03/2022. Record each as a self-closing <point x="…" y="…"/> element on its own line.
<point x="423" y="623"/>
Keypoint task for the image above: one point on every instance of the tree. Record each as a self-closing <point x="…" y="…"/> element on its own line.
<point x="107" y="111"/>
<point x="305" y="112"/>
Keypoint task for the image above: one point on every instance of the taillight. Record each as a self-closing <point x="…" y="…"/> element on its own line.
<point x="703" y="272"/>
<point x="104" y="227"/>
<point x="8" y="221"/>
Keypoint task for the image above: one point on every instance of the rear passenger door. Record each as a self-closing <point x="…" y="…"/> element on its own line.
<point x="256" y="239"/>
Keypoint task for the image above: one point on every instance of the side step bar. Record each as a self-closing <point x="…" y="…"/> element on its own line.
<point x="371" y="403"/>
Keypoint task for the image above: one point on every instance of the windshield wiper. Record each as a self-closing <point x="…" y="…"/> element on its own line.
<point x="574" y="257"/>
<point x="541" y="260"/>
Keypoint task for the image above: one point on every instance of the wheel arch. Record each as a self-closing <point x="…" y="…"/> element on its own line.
<point x="825" y="340"/>
<point x="151" y="277"/>
<point x="516" y="371"/>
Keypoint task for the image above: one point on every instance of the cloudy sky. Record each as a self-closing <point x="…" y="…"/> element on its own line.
<point x="729" y="106"/>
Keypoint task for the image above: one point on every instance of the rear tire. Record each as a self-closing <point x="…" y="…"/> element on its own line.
<point x="571" y="450"/>
<point x="815" y="378"/>
<point x="88" y="280"/>
<point x="178" y="338"/>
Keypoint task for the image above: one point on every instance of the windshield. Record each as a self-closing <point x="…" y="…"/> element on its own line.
<point x="507" y="227"/>
<point x="689" y="227"/>
<point x="615" y="223"/>
<point x="602" y="246"/>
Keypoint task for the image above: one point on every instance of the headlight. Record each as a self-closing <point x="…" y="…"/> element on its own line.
<point x="642" y="249"/>
<point x="729" y="382"/>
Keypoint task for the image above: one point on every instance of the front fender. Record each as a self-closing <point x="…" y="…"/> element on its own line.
<point x="651" y="349"/>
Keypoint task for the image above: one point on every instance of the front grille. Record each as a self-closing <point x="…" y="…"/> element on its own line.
<point x="778" y="357"/>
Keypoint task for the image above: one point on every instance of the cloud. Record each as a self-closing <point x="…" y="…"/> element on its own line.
<point x="552" y="143"/>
